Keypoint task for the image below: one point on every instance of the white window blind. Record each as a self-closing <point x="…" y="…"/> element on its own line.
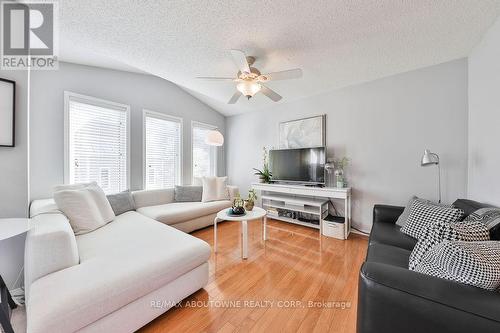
<point x="96" y="142"/>
<point x="162" y="151"/>
<point x="204" y="156"/>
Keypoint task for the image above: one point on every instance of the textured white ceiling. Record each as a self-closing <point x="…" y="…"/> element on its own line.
<point x="336" y="42"/>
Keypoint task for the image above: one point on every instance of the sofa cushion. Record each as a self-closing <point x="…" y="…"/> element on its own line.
<point x="470" y="231"/>
<point x="119" y="263"/>
<point x="121" y="202"/>
<point x="85" y="206"/>
<point x="469" y="206"/>
<point x="189" y="193"/>
<point x="214" y="189"/>
<point x="490" y="217"/>
<point x="177" y="212"/>
<point x="473" y="263"/>
<point x="403" y="218"/>
<point x="390" y="234"/>
<point x="389" y="255"/>
<point x="144" y="198"/>
<point x="422" y="214"/>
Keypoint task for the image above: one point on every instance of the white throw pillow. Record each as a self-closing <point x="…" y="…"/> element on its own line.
<point x="85" y="205"/>
<point x="214" y="189"/>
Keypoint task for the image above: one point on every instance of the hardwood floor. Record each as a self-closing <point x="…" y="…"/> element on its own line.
<point x="294" y="282"/>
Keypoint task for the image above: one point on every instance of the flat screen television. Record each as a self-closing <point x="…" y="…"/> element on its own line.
<point x="302" y="165"/>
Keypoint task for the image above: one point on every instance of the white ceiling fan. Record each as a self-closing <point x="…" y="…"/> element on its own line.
<point x="250" y="81"/>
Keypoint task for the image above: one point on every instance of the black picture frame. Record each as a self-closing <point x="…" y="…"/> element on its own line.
<point x="13" y="96"/>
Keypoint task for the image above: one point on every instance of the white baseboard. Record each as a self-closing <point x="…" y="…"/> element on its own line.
<point x="354" y="231"/>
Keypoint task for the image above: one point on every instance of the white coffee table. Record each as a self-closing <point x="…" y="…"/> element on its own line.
<point x="255" y="214"/>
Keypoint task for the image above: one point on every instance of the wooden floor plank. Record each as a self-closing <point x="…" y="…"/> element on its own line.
<point x="275" y="285"/>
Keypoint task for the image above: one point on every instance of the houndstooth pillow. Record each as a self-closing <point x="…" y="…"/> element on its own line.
<point x="435" y="233"/>
<point x="422" y="214"/>
<point x="490" y="217"/>
<point x="403" y="218"/>
<point x="473" y="263"/>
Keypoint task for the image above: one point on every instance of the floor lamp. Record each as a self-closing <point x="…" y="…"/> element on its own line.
<point x="430" y="158"/>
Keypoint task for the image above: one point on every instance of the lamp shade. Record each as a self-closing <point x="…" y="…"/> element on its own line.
<point x="214" y="138"/>
<point x="248" y="88"/>
<point x="429" y="158"/>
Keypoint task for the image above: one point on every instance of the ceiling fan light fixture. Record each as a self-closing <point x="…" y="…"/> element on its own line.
<point x="248" y="88"/>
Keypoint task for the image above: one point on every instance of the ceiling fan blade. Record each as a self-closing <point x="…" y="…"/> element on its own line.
<point x="240" y="60"/>
<point x="235" y="97"/>
<point x="270" y="93"/>
<point x="209" y="78"/>
<point x="284" y="75"/>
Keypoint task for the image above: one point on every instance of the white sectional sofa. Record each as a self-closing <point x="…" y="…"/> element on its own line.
<point x="108" y="279"/>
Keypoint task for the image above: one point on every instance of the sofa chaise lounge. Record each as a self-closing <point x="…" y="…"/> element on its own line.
<point x="121" y="276"/>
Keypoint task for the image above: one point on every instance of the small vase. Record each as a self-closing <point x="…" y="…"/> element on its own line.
<point x="249" y="205"/>
<point x="339" y="176"/>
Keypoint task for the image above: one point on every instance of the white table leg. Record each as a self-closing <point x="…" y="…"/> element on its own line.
<point x="215" y="235"/>
<point x="264" y="232"/>
<point x="244" y="244"/>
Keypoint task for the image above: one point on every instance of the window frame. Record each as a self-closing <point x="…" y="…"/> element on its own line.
<point x="159" y="115"/>
<point x="68" y="96"/>
<point x="195" y="123"/>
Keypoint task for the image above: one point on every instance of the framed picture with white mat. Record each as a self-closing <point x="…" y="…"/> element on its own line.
<point x="7" y="112"/>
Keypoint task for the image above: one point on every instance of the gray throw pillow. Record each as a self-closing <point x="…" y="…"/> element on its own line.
<point x="121" y="202"/>
<point x="188" y="193"/>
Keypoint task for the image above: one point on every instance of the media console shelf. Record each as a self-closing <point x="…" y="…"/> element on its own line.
<point x="296" y="201"/>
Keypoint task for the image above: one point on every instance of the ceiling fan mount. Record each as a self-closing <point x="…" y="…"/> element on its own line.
<point x="254" y="74"/>
<point x="249" y="80"/>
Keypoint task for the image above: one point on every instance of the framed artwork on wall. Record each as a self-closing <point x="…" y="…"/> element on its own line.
<point x="303" y="133"/>
<point x="7" y="112"/>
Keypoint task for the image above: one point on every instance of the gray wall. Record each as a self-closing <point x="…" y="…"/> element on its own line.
<point x="484" y="118"/>
<point x="383" y="126"/>
<point x="137" y="90"/>
<point x="14" y="180"/>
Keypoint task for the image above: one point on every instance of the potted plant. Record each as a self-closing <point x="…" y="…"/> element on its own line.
<point x="237" y="208"/>
<point x="250" y="201"/>
<point x="265" y="173"/>
<point x="341" y="164"/>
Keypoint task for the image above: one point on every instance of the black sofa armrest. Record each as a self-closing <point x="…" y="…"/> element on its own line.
<point x="393" y="299"/>
<point x="386" y="213"/>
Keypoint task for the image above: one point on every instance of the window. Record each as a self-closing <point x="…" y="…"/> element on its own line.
<point x="162" y="150"/>
<point x="204" y="156"/>
<point x="96" y="142"/>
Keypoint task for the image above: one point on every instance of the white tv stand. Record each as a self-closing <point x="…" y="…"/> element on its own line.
<point x="305" y="199"/>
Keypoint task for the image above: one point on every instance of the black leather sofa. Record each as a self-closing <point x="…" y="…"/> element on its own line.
<point x="391" y="298"/>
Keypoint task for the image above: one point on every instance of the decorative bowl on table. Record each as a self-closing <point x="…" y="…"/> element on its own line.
<point x="236" y="211"/>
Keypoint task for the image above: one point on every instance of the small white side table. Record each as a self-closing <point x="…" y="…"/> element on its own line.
<point x="8" y="229"/>
<point x="13" y="227"/>
<point x="255" y="214"/>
